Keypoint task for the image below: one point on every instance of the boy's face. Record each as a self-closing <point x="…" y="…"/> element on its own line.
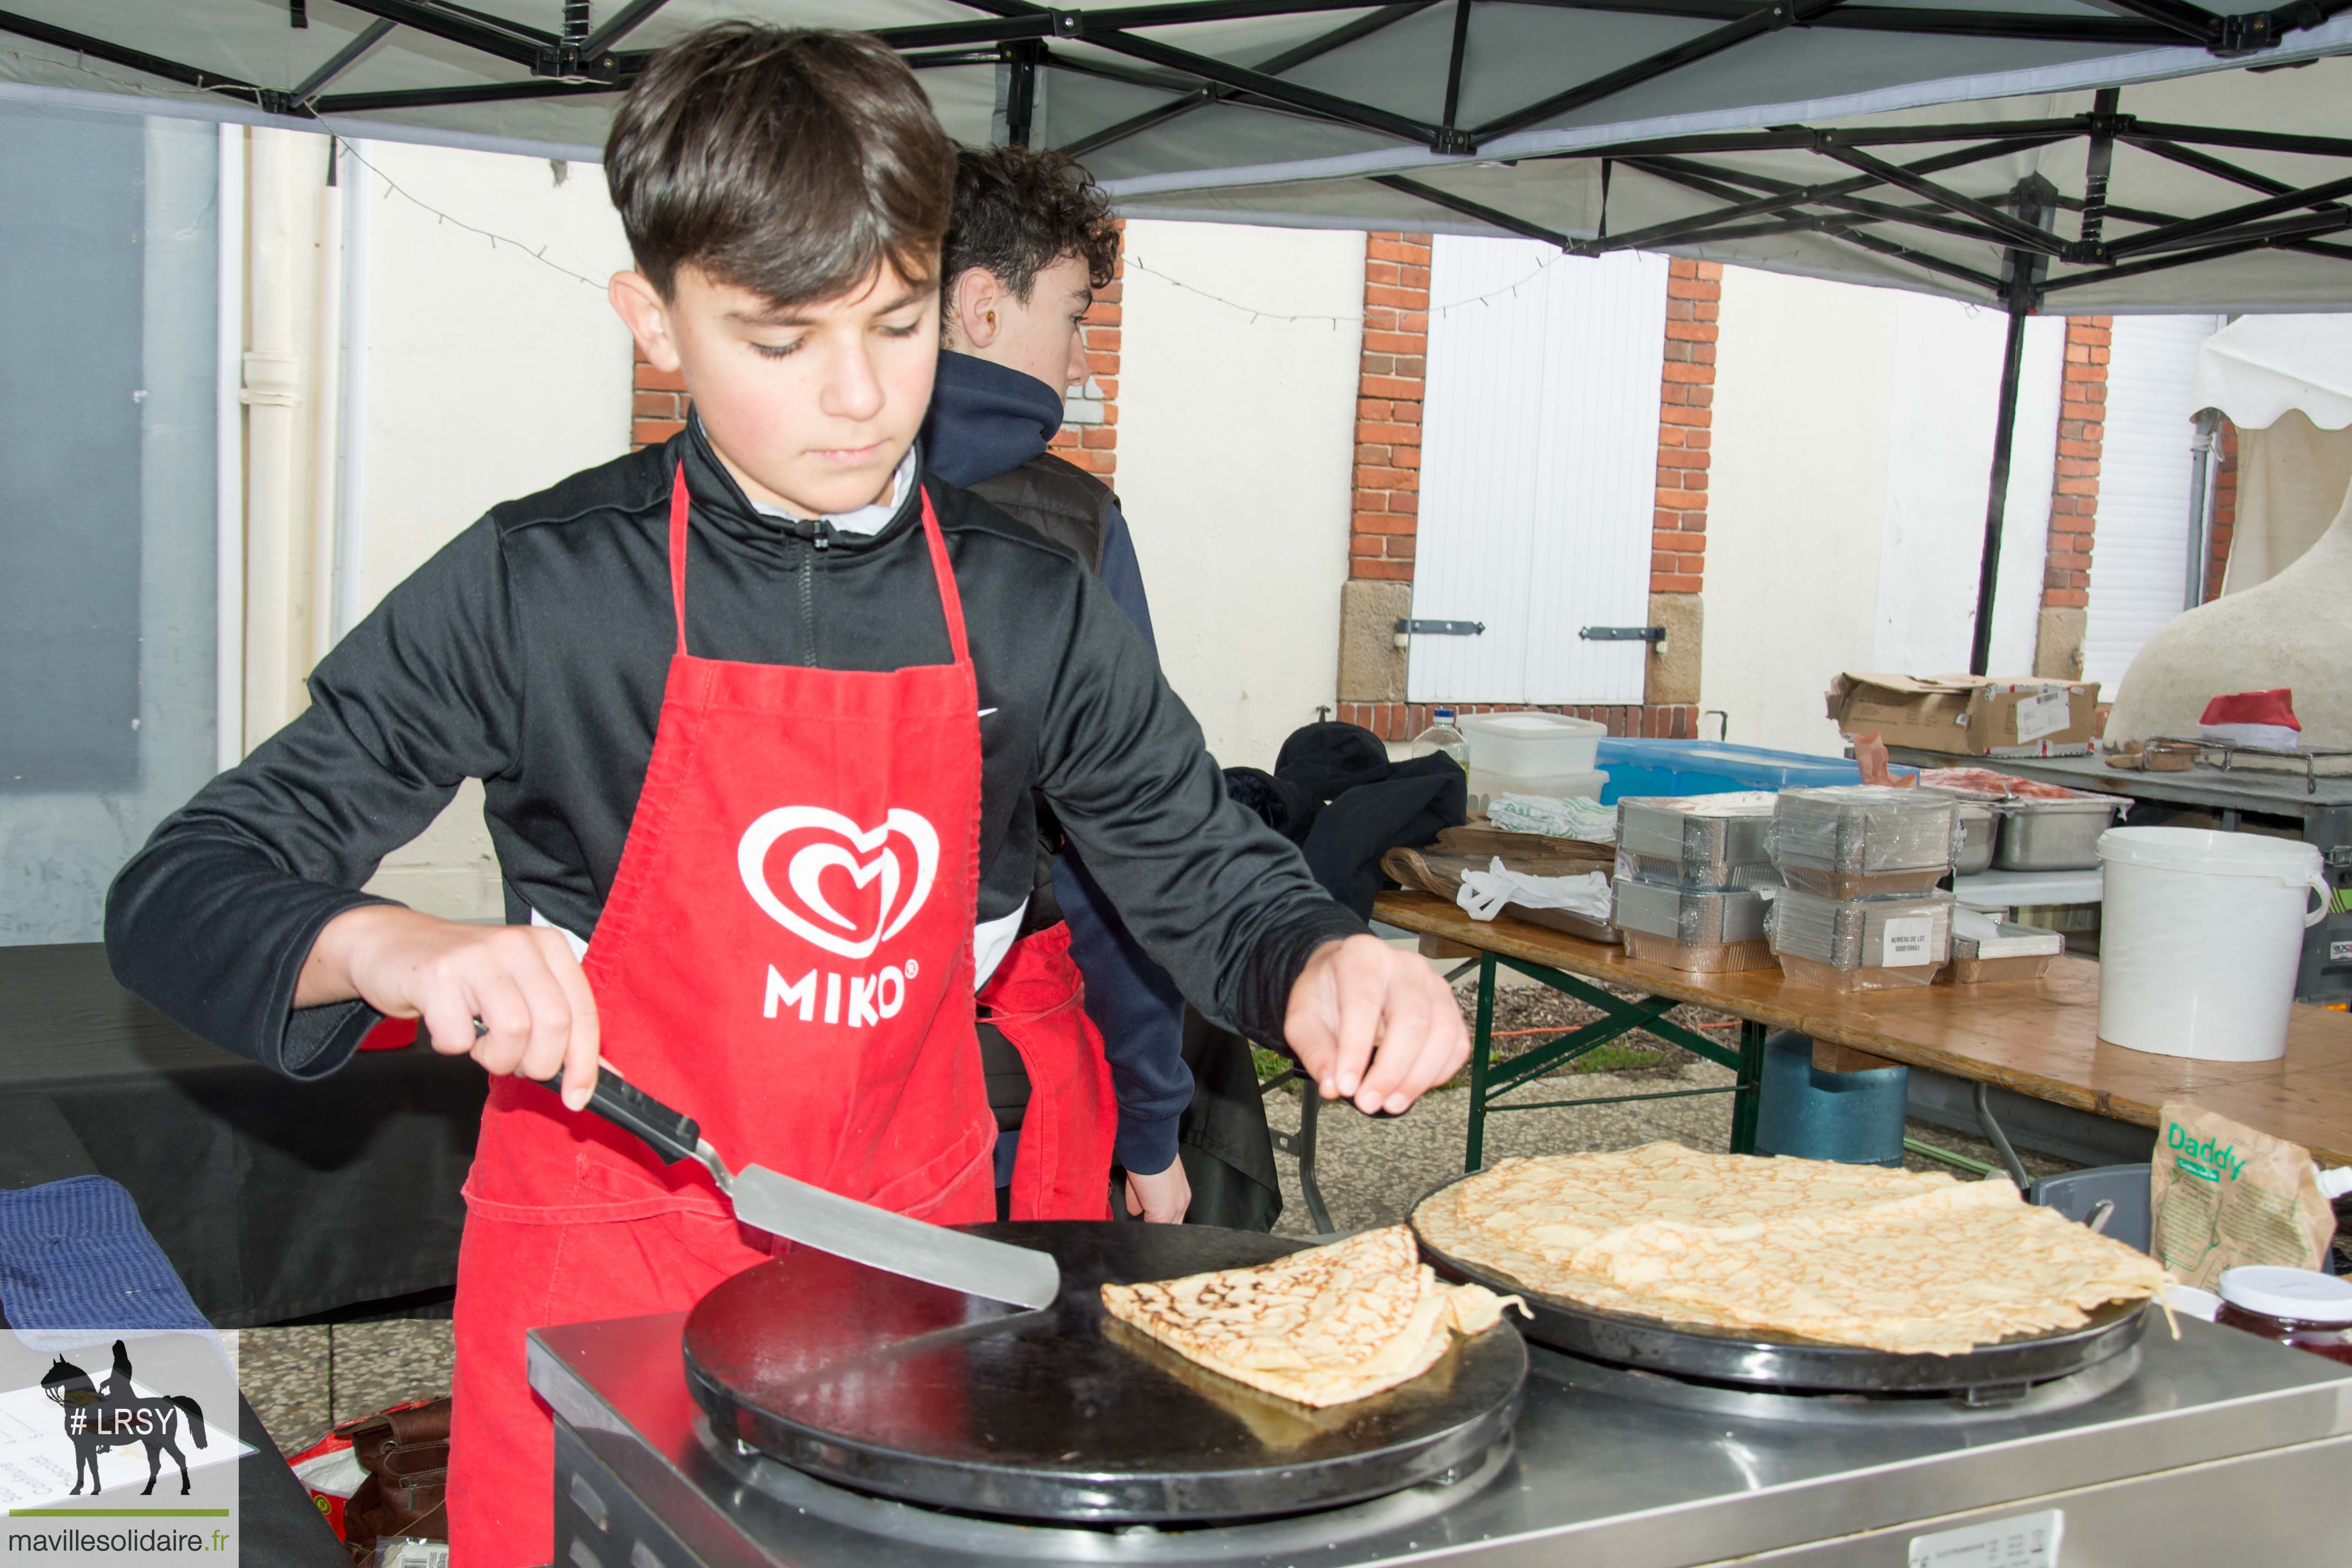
<point x="810" y="406"/>
<point x="1039" y="336"/>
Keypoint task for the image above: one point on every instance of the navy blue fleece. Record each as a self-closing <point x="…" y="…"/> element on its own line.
<point x="986" y="420"/>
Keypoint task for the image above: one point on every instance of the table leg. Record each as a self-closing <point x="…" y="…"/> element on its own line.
<point x="1310" y="1103"/>
<point x="1482" y="1042"/>
<point x="1745" y="1098"/>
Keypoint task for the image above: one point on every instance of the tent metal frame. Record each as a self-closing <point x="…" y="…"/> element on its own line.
<point x="1870" y="196"/>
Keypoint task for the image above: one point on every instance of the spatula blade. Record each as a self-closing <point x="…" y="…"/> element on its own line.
<point x="772" y="1201"/>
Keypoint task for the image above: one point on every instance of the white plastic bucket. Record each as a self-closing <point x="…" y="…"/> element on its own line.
<point x="1532" y="745"/>
<point x="2200" y="939"/>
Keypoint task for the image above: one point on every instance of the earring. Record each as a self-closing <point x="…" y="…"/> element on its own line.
<point x="992" y="318"/>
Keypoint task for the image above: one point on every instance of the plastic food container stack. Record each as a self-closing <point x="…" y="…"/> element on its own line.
<point x="1862" y="944"/>
<point x="1862" y="841"/>
<point x="1687" y="873"/>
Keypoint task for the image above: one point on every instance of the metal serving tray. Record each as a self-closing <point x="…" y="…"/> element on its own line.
<point x="1728" y="915"/>
<point x="2052" y="834"/>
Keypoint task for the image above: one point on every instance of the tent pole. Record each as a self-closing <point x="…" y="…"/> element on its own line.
<point x="2032" y="197"/>
<point x="2004" y="430"/>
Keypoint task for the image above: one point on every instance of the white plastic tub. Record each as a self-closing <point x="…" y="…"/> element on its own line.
<point x="1532" y="745"/>
<point x="2200" y="937"/>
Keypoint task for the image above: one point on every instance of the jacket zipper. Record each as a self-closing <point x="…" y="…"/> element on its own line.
<point x="808" y="594"/>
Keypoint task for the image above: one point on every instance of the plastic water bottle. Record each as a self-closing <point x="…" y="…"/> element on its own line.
<point x="1441" y="736"/>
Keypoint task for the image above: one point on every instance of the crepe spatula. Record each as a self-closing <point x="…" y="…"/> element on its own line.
<point x="771" y="1201"/>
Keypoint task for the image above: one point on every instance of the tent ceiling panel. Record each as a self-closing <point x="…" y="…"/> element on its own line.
<point x="1781" y="134"/>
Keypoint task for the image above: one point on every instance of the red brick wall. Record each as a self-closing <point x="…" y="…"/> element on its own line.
<point x="657" y="403"/>
<point x="1685" y="423"/>
<point x="1095" y="447"/>
<point x="1404" y="721"/>
<point x="2082" y="428"/>
<point x="1387" y="477"/>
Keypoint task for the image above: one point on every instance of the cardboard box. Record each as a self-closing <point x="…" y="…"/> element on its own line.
<point x="1969" y="715"/>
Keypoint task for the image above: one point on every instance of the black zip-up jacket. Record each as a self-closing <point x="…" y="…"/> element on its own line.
<point x="530" y="653"/>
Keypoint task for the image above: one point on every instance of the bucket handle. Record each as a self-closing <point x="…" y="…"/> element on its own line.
<point x="2318" y="884"/>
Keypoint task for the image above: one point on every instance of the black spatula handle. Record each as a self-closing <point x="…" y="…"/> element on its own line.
<point x="671" y="1134"/>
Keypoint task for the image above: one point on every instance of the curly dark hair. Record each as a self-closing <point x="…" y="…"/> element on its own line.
<point x="790" y="163"/>
<point x="1018" y="210"/>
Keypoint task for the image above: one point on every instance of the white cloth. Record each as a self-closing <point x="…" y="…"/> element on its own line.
<point x="1570" y="817"/>
<point x="1484" y="893"/>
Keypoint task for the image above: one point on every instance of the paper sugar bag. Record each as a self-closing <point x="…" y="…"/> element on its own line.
<point x="2220" y="1193"/>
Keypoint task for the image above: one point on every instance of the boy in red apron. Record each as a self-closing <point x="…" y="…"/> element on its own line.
<point x="758" y="715"/>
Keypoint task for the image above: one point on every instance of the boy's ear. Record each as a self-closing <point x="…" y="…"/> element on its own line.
<point x="642" y="309"/>
<point x="974" y="302"/>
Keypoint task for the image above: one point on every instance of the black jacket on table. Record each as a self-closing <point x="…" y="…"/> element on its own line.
<point x="530" y="653"/>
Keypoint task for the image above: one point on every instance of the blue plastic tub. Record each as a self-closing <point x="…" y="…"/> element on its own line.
<point x="1852" y="1116"/>
<point x="1710" y="767"/>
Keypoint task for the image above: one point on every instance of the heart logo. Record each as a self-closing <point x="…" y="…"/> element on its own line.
<point x="824" y="841"/>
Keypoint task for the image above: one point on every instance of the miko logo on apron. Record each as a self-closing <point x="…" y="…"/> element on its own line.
<point x="883" y="875"/>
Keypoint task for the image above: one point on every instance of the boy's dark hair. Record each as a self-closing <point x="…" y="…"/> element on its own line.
<point x="790" y="163"/>
<point x="1019" y="210"/>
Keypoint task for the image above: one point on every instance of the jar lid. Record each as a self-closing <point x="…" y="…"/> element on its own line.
<point x="2300" y="1293"/>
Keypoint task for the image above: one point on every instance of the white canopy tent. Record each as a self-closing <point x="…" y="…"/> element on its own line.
<point x="2083" y="155"/>
<point x="2285" y="381"/>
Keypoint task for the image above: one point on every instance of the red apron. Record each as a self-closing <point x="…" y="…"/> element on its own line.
<point x="786" y="955"/>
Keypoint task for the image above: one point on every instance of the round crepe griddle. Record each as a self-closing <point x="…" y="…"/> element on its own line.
<point x="905" y="1389"/>
<point x="1759" y="1358"/>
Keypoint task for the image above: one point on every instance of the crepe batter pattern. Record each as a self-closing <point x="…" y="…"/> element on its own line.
<point x="1845" y="1254"/>
<point x="1322" y="1326"/>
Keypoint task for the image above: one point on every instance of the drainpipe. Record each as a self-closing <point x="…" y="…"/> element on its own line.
<point x="351" y="482"/>
<point x="325" y="565"/>
<point x="2204" y="461"/>
<point x="228" y="460"/>
<point x="275" y="585"/>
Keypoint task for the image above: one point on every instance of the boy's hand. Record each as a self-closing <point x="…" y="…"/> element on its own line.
<point x="1161" y="1199"/>
<point x="538" y="1016"/>
<point x="1374" y="1025"/>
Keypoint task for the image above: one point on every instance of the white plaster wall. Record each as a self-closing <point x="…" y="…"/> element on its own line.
<point x="1234" y="447"/>
<point x="491" y="374"/>
<point x="1853" y="451"/>
<point x="1946" y="393"/>
<point x="1797" y="500"/>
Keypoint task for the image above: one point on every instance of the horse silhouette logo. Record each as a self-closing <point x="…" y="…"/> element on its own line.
<point x="96" y="1420"/>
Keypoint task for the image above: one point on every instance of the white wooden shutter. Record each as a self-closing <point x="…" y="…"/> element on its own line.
<point x="2139" y="555"/>
<point x="1540" y="446"/>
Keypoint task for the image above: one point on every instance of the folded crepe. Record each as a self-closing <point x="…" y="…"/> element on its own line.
<point x="1323" y="1326"/>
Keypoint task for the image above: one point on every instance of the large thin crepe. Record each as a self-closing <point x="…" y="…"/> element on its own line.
<point x="1323" y="1326"/>
<point x="1848" y="1255"/>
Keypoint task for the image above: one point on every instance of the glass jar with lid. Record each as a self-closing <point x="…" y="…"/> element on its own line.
<point x="2298" y="1307"/>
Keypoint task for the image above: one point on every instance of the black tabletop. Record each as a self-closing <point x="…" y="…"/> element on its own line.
<point x="273" y="1199"/>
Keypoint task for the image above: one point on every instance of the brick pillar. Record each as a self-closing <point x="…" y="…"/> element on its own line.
<point x="1089" y="432"/>
<point x="1386" y="509"/>
<point x="2074" y="500"/>
<point x="1678" y="525"/>
<point x="1388" y="407"/>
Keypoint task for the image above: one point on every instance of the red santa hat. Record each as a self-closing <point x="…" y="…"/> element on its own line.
<point x="2252" y="719"/>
